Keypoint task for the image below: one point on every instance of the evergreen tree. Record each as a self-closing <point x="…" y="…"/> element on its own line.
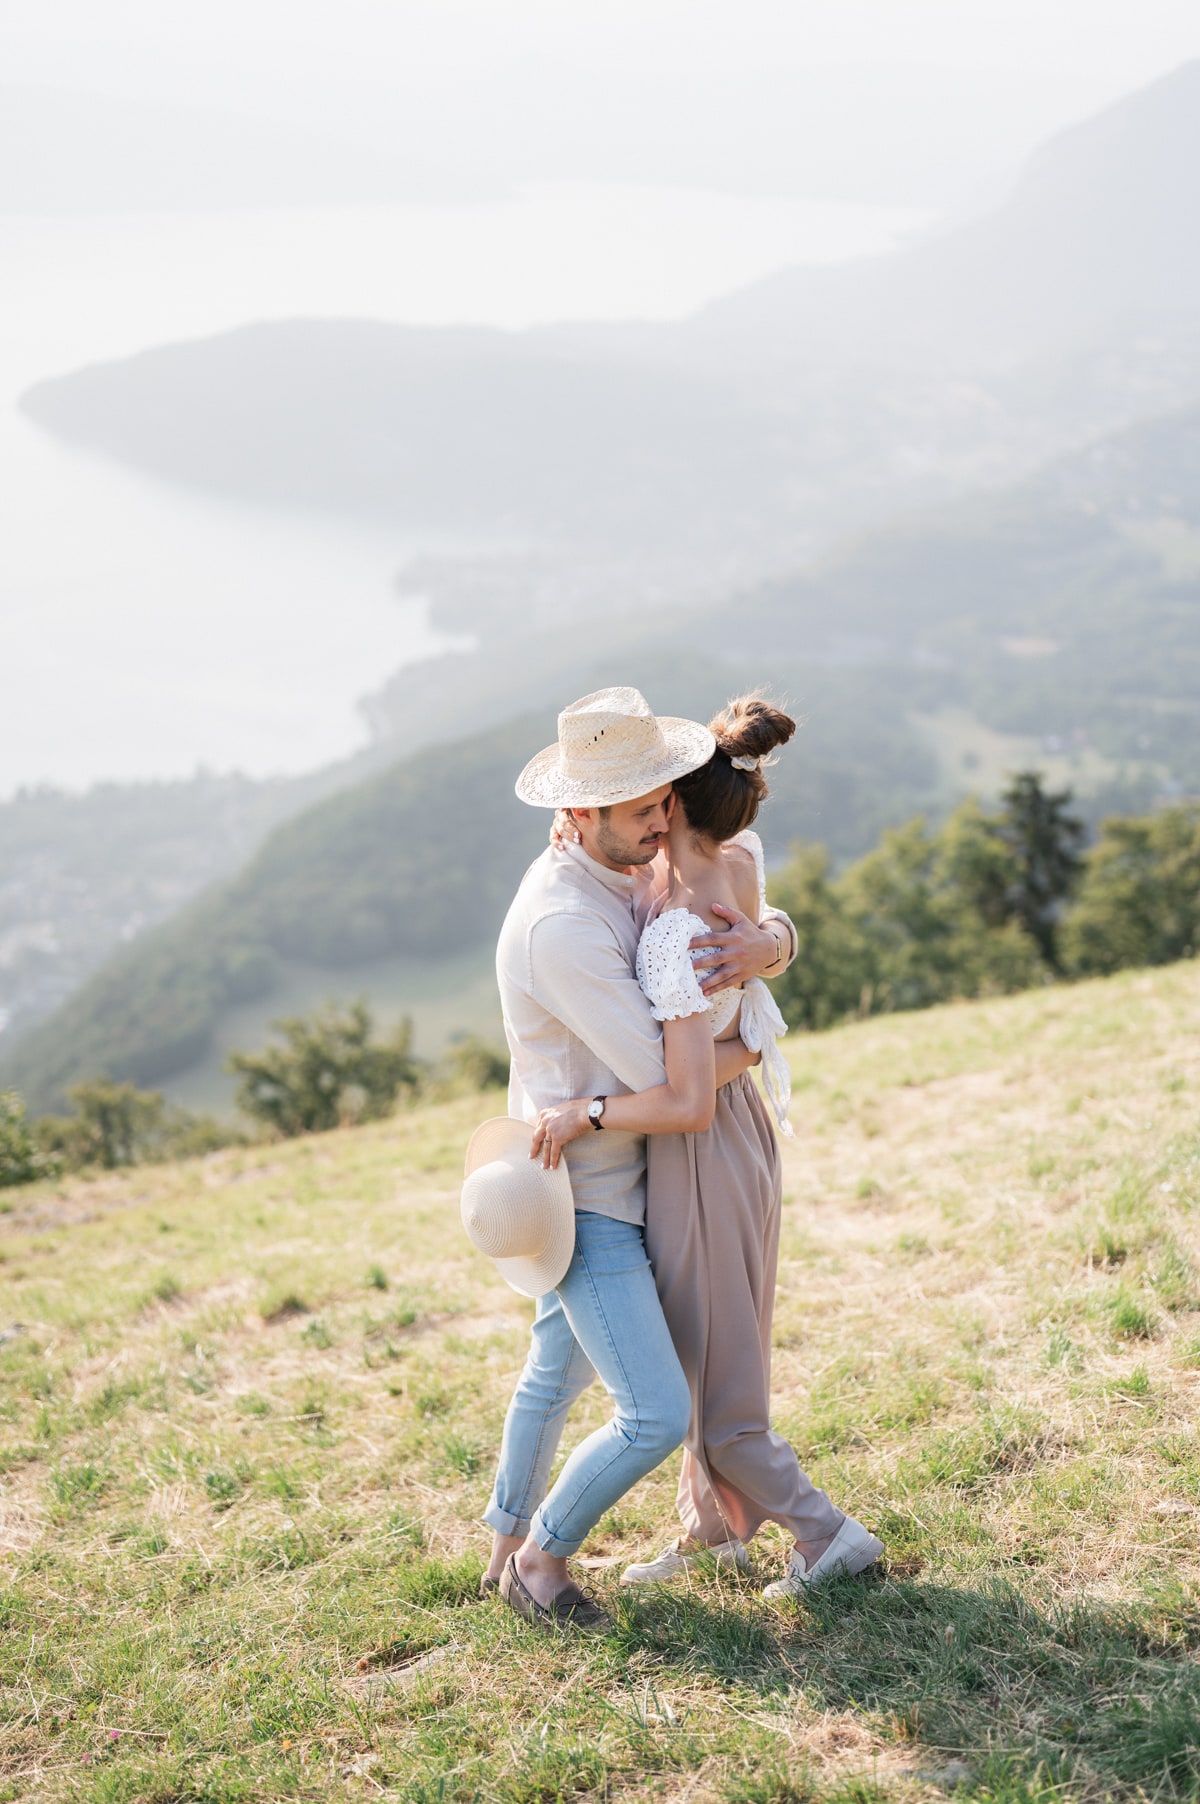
<point x="1045" y="842"/>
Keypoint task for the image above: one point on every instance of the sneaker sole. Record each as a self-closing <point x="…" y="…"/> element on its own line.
<point x="863" y="1559"/>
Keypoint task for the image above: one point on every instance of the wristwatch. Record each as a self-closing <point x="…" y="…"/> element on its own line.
<point x="596" y="1110"/>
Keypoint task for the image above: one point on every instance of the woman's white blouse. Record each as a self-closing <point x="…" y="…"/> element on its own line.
<point x="669" y="982"/>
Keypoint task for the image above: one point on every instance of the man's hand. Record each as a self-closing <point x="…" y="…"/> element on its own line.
<point x="556" y="1127"/>
<point x="735" y="954"/>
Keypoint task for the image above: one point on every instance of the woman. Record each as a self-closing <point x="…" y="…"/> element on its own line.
<point x="714" y="1198"/>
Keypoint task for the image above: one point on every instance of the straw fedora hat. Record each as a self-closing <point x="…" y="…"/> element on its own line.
<point x="514" y="1210"/>
<point x="610" y="749"/>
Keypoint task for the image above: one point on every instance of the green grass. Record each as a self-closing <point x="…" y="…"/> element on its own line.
<point x="249" y="1408"/>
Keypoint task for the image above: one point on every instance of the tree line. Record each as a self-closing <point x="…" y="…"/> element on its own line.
<point x="326" y="1070"/>
<point x="990" y="902"/>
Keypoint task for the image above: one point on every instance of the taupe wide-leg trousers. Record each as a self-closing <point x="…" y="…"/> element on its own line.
<point x="712" y="1233"/>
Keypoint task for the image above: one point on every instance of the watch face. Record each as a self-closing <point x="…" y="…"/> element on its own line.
<point x="595" y="1110"/>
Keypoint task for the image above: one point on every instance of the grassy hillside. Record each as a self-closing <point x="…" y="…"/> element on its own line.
<point x="444" y="999"/>
<point x="252" y="1404"/>
<point x="416" y="864"/>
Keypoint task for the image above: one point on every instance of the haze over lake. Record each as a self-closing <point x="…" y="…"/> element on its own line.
<point x="149" y="630"/>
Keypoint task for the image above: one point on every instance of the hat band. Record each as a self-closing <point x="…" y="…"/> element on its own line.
<point x="579" y="767"/>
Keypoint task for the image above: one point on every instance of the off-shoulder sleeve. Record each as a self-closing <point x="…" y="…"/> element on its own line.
<point x="750" y="842"/>
<point x="760" y="1025"/>
<point x="665" y="970"/>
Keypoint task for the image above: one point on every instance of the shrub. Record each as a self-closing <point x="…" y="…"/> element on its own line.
<point x="329" y="1072"/>
<point x="470" y="1063"/>
<point x="1139" y="902"/>
<point x="117" y="1124"/>
<point x="22" y="1158"/>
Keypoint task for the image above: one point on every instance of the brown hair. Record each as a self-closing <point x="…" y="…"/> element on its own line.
<point x="718" y="799"/>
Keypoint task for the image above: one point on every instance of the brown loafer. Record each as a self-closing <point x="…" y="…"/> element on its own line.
<point x="488" y="1586"/>
<point x="569" y="1608"/>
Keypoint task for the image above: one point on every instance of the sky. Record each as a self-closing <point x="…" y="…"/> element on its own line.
<point x="909" y="102"/>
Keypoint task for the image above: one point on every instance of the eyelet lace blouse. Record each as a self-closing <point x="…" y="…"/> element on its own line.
<point x="669" y="982"/>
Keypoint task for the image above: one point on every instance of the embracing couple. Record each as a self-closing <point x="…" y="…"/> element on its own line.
<point x="629" y="968"/>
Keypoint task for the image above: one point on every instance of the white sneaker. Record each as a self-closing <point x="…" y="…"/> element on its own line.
<point x="674" y="1559"/>
<point x="852" y="1550"/>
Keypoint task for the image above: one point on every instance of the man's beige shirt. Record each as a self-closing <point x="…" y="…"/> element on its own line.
<point x="575" y="1018"/>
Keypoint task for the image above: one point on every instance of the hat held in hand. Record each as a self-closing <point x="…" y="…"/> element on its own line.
<point x="514" y="1210"/>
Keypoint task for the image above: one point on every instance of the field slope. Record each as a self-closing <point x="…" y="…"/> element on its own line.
<point x="251" y="1405"/>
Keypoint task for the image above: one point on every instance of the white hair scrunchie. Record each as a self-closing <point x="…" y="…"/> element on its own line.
<point x="745" y="763"/>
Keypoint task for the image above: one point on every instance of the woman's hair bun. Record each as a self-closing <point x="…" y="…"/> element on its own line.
<point x="721" y="798"/>
<point x="749" y="727"/>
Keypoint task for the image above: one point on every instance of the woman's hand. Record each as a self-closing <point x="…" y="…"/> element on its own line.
<point x="563" y="831"/>
<point x="558" y="1126"/>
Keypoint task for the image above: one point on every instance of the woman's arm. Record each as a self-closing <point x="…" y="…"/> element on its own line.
<point x="683" y="1105"/>
<point x="733" y="1057"/>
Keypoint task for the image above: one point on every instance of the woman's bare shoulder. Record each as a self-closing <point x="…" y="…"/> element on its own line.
<point x="738" y="857"/>
<point x="743" y="874"/>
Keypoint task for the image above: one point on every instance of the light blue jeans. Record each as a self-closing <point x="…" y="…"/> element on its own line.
<point x="605" y="1321"/>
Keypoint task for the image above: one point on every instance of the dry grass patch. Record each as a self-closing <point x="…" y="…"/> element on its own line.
<point x="251" y="1404"/>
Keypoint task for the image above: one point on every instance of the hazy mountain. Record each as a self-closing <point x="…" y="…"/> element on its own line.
<point x="1066" y="609"/>
<point x="1097" y="237"/>
<point x="802" y="407"/>
<point x="449" y="427"/>
<point x="1062" y="617"/>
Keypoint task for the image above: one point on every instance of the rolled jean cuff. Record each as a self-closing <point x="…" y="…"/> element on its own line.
<point x="503" y="1522"/>
<point x="562" y="1550"/>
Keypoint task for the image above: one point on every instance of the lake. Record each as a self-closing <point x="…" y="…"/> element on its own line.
<point x="146" y="630"/>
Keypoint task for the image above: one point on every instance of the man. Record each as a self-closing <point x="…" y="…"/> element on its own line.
<point x="577" y="1024"/>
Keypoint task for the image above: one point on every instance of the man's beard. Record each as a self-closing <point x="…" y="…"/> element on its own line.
<point x="620" y="853"/>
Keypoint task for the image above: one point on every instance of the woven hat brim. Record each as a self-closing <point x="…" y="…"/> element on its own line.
<point x="544" y="784"/>
<point x="501" y="1137"/>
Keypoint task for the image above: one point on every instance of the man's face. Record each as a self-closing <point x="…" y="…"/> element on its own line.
<point x="628" y="833"/>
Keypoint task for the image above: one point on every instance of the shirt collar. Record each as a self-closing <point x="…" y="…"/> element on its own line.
<point x="628" y="884"/>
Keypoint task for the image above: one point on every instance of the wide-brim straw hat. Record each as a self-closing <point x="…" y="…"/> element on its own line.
<point x="514" y="1210"/>
<point x="610" y="749"/>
